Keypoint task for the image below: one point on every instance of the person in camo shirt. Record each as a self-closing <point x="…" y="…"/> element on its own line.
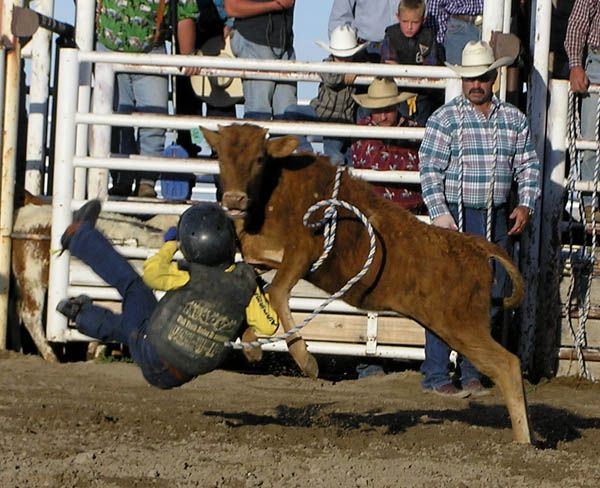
<point x="139" y="26"/>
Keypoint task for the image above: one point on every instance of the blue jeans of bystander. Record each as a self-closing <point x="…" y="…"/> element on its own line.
<point x="458" y="34"/>
<point x="437" y="352"/>
<point x="264" y="99"/>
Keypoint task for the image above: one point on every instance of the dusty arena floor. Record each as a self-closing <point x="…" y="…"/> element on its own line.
<point x="92" y="424"/>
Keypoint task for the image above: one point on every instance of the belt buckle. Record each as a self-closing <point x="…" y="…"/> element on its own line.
<point x="478" y="20"/>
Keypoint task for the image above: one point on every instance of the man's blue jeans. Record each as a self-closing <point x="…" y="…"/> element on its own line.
<point x="335" y="148"/>
<point x="589" y="106"/>
<point x="138" y="92"/>
<point x="437" y="353"/>
<point x="129" y="327"/>
<point x="458" y="34"/>
<point x="264" y="99"/>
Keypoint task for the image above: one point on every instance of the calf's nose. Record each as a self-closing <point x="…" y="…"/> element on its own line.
<point x="235" y="200"/>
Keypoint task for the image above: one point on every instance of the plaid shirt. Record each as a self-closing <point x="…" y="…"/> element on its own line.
<point x="583" y="29"/>
<point x="334" y="102"/>
<point x="439" y="164"/>
<point x="439" y="11"/>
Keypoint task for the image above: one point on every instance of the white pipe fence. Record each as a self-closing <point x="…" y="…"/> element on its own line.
<point x="69" y="159"/>
<point x="10" y="113"/>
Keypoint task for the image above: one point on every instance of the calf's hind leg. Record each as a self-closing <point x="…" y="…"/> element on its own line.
<point x="502" y="367"/>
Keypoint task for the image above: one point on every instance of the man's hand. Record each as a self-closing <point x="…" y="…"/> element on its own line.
<point x="521" y="217"/>
<point x="445" y="222"/>
<point x="285" y="4"/>
<point x="579" y="80"/>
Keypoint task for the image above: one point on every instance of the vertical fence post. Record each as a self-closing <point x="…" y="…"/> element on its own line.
<point x="530" y="241"/>
<point x="37" y="121"/>
<point x="84" y="37"/>
<point x="62" y="192"/>
<point x="9" y="160"/>
<point x="549" y="309"/>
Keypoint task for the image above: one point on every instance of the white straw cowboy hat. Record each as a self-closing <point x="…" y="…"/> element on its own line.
<point x="382" y="93"/>
<point x="219" y="91"/>
<point x="477" y="59"/>
<point x="342" y="42"/>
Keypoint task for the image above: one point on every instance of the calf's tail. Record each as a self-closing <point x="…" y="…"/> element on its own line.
<point x="518" y="288"/>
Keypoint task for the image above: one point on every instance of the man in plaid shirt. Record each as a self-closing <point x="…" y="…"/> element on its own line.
<point x="472" y="144"/>
<point x="582" y="44"/>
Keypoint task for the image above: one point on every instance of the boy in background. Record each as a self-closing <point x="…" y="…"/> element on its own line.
<point x="334" y="102"/>
<point x="408" y="42"/>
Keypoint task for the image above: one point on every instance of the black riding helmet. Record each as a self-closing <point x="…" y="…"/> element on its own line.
<point x="206" y="235"/>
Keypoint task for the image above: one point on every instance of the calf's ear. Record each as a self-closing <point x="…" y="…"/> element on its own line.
<point x="211" y="137"/>
<point x="281" y="146"/>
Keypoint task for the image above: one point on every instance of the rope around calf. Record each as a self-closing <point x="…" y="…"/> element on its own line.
<point x="332" y="202"/>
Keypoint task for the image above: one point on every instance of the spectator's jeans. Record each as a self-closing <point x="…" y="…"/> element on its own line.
<point x="458" y="34"/>
<point x="589" y="105"/>
<point x="129" y="327"/>
<point x="334" y="148"/>
<point x="147" y="94"/>
<point x="437" y="353"/>
<point x="264" y="100"/>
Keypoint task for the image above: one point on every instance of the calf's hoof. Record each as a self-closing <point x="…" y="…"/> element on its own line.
<point x="311" y="368"/>
<point x="253" y="354"/>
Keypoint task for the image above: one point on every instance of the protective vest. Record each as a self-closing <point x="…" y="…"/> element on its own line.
<point x="190" y="325"/>
<point x="412" y="50"/>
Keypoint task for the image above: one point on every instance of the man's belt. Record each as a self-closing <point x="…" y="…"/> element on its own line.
<point x="469" y="19"/>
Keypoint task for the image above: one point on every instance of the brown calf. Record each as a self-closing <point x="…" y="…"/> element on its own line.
<point x="440" y="278"/>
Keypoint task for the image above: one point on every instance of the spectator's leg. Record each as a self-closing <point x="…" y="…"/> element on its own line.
<point x="187" y="104"/>
<point x="435" y="367"/>
<point x="301" y="112"/>
<point x="589" y="108"/>
<point x="151" y="94"/>
<point x="258" y="94"/>
<point x="122" y="180"/>
<point x="285" y="94"/>
<point x="457" y="36"/>
<point x="334" y="149"/>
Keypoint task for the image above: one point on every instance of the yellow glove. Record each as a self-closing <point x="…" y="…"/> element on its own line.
<point x="412" y="106"/>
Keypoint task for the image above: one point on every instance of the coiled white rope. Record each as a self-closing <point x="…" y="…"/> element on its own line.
<point x="331" y="211"/>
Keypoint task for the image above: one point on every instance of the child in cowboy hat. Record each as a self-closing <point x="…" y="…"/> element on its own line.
<point x="334" y="102"/>
<point x="381" y="101"/>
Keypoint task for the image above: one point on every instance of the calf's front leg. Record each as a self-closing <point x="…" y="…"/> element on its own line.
<point x="286" y="277"/>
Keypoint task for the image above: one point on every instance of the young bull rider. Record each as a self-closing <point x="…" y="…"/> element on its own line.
<point x="184" y="334"/>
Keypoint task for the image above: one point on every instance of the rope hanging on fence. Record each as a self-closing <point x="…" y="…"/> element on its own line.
<point x="329" y="221"/>
<point x="492" y="183"/>
<point x="584" y="266"/>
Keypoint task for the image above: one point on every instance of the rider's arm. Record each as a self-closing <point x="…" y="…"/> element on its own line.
<point x="161" y="273"/>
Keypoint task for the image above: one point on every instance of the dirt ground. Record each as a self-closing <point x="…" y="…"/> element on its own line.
<point x="89" y="424"/>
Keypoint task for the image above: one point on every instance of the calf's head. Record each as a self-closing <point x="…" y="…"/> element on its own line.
<point x="243" y="151"/>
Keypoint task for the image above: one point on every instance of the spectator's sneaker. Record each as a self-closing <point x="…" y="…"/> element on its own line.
<point x="448" y="390"/>
<point x="89" y="212"/>
<point x="70" y="307"/>
<point x="146" y="190"/>
<point x="475" y="388"/>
